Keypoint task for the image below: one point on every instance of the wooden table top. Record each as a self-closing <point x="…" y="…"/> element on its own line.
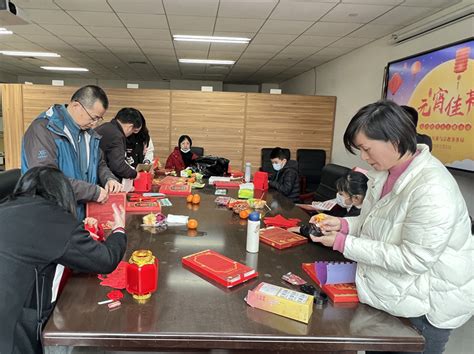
<point x="190" y="312"/>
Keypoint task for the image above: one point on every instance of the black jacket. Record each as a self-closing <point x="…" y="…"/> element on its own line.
<point x="114" y="146"/>
<point x="36" y="235"/>
<point x="287" y="181"/>
<point x="338" y="211"/>
<point x="424" y="139"/>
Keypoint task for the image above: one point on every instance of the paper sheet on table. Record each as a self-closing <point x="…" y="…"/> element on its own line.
<point x="177" y="219"/>
<point x="335" y="272"/>
<point x="127" y="184"/>
<point x="326" y="205"/>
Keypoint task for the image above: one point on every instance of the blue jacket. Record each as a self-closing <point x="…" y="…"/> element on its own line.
<point x="47" y="141"/>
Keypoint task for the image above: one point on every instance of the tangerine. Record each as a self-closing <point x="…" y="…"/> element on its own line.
<point x="196" y="199"/>
<point x="189" y="198"/>
<point x="244" y="214"/>
<point x="192" y="224"/>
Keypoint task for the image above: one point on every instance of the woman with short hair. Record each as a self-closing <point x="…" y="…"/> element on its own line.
<point x="182" y="156"/>
<point x="412" y="241"/>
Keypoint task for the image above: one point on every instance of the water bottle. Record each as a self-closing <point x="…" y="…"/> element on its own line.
<point x="253" y="232"/>
<point x="248" y="172"/>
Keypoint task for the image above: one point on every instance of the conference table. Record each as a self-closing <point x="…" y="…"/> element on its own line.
<point x="191" y="313"/>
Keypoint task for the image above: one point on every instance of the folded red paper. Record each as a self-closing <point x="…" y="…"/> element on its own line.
<point x="281" y="238"/>
<point x="117" y="279"/>
<point x="337" y="292"/>
<point x="104" y="213"/>
<point x="219" y="268"/>
<point x="280" y="221"/>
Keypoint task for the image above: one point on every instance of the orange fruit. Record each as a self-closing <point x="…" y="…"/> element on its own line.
<point x="244" y="214"/>
<point x="196" y="199"/>
<point x="192" y="224"/>
<point x="189" y="198"/>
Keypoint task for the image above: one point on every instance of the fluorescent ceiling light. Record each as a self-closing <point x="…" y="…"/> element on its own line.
<point x="5" y="31"/>
<point x="206" y="61"/>
<point x="63" y="68"/>
<point x="212" y="39"/>
<point x="29" y="54"/>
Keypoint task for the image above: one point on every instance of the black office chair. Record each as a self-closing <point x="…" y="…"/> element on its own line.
<point x="8" y="181"/>
<point x="197" y="150"/>
<point x="327" y="188"/>
<point x="310" y="167"/>
<point x="265" y="163"/>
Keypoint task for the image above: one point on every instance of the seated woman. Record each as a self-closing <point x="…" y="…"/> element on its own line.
<point x="140" y="147"/>
<point x="182" y="156"/>
<point x="412" y="241"/>
<point x="351" y="190"/>
<point x="40" y="235"/>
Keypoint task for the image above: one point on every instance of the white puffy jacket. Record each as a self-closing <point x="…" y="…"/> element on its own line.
<point x="414" y="246"/>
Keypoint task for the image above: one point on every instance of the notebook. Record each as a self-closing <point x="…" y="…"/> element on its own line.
<point x="104" y="212"/>
<point x="281" y="238"/>
<point x="338" y="293"/>
<point x="219" y="268"/>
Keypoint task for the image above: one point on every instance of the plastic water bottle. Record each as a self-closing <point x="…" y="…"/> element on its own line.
<point x="248" y="172"/>
<point x="253" y="232"/>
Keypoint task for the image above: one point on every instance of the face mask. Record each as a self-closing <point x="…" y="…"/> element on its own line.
<point x="276" y="166"/>
<point x="185" y="151"/>
<point x="340" y="201"/>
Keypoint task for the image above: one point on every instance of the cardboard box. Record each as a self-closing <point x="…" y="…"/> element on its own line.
<point x="282" y="301"/>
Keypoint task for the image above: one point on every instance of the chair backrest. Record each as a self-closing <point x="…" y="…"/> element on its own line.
<point x="8" y="181"/>
<point x="310" y="166"/>
<point x="197" y="150"/>
<point x="330" y="174"/>
<point x="265" y="163"/>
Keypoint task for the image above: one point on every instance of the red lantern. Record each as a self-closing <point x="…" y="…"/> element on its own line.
<point x="142" y="274"/>
<point x="415" y="67"/>
<point x="462" y="57"/>
<point x="394" y="83"/>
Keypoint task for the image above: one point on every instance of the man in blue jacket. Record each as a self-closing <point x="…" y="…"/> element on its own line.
<point x="63" y="137"/>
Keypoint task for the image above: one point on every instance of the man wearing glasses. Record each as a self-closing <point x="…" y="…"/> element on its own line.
<point x="63" y="137"/>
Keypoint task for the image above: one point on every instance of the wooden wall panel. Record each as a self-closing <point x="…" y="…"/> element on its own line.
<point x="228" y="124"/>
<point x="288" y="121"/>
<point x="12" y="105"/>
<point x="213" y="120"/>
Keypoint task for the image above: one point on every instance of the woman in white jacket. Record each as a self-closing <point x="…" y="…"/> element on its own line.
<point x="412" y="241"/>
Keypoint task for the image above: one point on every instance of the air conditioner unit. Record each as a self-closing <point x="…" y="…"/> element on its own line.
<point x="11" y="15"/>
<point x="450" y="18"/>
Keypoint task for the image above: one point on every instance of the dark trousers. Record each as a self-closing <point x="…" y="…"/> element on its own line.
<point x="435" y="338"/>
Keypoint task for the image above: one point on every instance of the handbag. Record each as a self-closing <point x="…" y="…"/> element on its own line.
<point x="210" y="166"/>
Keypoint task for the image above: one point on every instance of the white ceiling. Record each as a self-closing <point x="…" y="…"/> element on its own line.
<point x="132" y="39"/>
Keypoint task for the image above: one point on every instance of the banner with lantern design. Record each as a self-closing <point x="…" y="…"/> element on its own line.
<point x="439" y="84"/>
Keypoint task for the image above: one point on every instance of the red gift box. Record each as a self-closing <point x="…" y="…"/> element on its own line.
<point x="260" y="180"/>
<point x="143" y="182"/>
<point x="219" y="268"/>
<point x="104" y="213"/>
<point x="176" y="189"/>
<point x="281" y="238"/>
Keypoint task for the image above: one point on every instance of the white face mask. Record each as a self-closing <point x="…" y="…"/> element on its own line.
<point x="341" y="201"/>
<point x="184" y="151"/>
<point x="276" y="166"/>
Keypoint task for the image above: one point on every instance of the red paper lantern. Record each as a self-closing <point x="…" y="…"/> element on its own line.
<point x="142" y="274"/>
<point x="394" y="83"/>
<point x="415" y="67"/>
<point x="462" y="57"/>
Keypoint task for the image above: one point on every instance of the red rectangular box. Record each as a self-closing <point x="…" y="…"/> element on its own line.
<point x="281" y="238"/>
<point x="104" y="212"/>
<point x="337" y="292"/>
<point x="219" y="268"/>
<point x="172" y="180"/>
<point x="143" y="207"/>
<point x="176" y="189"/>
<point x="227" y="184"/>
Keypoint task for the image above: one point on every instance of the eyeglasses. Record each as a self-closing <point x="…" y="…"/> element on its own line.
<point x="94" y="119"/>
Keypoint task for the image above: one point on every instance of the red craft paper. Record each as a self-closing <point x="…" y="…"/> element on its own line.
<point x="227" y="184"/>
<point x="115" y="295"/>
<point x="104" y="212"/>
<point x="281" y="238"/>
<point x="217" y="267"/>
<point x="336" y="292"/>
<point x="280" y="221"/>
<point x="117" y="279"/>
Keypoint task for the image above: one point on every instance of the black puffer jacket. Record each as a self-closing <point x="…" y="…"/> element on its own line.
<point x="287" y="181"/>
<point x="35" y="237"/>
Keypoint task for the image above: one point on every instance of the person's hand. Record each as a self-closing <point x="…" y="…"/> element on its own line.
<point x="328" y="223"/>
<point x="294" y="229"/>
<point x="91" y="222"/>
<point x="103" y="196"/>
<point x="119" y="216"/>
<point x="113" y="186"/>
<point x="327" y="240"/>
